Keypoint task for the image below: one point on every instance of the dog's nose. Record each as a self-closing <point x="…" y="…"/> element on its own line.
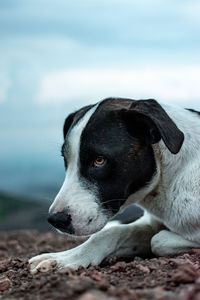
<point x="61" y="221"/>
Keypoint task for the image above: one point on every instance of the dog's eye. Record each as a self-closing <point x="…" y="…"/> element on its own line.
<point x="99" y="161"/>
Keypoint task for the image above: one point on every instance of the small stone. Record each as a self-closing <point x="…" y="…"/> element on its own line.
<point x="88" y="296"/>
<point x="198" y="280"/>
<point x="118" y="266"/>
<point x="137" y="258"/>
<point x="144" y="269"/>
<point x="96" y="277"/>
<point x="185" y="274"/>
<point x="177" y="261"/>
<point x="195" y="251"/>
<point x="163" y="262"/>
<point x="159" y="292"/>
<point x="3" y="266"/>
<point x="5" y="283"/>
<point x="103" y="285"/>
<point x="3" y="246"/>
<point x="94" y="295"/>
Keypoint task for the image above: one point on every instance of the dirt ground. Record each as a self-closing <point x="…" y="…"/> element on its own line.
<point x="176" y="277"/>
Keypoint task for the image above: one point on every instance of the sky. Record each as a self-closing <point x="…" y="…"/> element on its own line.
<point x="56" y="56"/>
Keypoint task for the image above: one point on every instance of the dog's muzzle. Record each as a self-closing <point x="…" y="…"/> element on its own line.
<point x="62" y="221"/>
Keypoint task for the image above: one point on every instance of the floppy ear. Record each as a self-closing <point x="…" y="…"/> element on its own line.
<point x="69" y="120"/>
<point x="68" y="123"/>
<point x="148" y="121"/>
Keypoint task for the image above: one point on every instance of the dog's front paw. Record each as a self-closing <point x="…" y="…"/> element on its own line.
<point x="43" y="263"/>
<point x="92" y="252"/>
<point x="62" y="260"/>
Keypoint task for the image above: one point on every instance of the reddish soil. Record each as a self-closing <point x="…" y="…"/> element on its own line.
<point x="176" y="277"/>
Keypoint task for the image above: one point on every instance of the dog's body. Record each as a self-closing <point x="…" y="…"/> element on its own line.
<point x="122" y="151"/>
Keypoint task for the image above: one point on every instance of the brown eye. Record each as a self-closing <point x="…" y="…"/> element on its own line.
<point x="99" y="161"/>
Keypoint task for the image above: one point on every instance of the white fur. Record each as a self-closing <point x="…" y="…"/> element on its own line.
<point x="177" y="203"/>
<point x="78" y="197"/>
<point x="171" y="223"/>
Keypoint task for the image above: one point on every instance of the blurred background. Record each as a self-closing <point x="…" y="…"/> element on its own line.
<point x="56" y="56"/>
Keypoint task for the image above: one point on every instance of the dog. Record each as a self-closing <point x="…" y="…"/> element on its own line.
<point x="123" y="151"/>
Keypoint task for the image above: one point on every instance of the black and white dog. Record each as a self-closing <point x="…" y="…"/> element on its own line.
<point x="118" y="152"/>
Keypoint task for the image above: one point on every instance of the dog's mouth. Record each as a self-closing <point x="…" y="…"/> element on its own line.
<point x="78" y="223"/>
<point x="81" y="232"/>
<point x="81" y="226"/>
<point x="93" y="225"/>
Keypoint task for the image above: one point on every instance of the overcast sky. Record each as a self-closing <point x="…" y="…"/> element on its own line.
<point x="58" y="55"/>
<point x="81" y="51"/>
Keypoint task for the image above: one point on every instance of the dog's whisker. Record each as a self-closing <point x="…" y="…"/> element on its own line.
<point x="112" y="200"/>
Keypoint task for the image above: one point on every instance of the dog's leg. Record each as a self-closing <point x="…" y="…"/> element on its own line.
<point x="166" y="242"/>
<point x="113" y="239"/>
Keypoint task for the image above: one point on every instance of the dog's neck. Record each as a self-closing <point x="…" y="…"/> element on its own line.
<point x="170" y="166"/>
<point x="187" y="122"/>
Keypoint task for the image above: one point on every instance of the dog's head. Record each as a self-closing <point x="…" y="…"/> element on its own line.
<point x="108" y="156"/>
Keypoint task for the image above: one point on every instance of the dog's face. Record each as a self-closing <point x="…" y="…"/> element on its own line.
<point x="108" y="156"/>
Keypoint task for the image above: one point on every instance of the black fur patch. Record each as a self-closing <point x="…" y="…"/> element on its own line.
<point x="69" y="123"/>
<point x="129" y="165"/>
<point x="73" y="119"/>
<point x="194" y="111"/>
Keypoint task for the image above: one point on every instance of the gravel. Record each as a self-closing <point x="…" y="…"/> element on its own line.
<point x="175" y="277"/>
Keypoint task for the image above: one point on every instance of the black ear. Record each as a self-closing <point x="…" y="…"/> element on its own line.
<point x="68" y="123"/>
<point x="69" y="120"/>
<point x="148" y="121"/>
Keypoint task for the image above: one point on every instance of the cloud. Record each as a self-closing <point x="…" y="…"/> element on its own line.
<point x="170" y="84"/>
<point x="4" y="85"/>
<point x="191" y="12"/>
<point x="114" y="22"/>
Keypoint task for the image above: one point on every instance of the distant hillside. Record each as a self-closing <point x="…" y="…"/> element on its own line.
<point x="37" y="176"/>
<point x="22" y="213"/>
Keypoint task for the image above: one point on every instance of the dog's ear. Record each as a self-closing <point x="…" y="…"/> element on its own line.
<point x="148" y="121"/>
<point x="68" y="123"/>
<point x="69" y="120"/>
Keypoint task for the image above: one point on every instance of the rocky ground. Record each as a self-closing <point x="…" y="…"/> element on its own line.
<point x="176" y="277"/>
